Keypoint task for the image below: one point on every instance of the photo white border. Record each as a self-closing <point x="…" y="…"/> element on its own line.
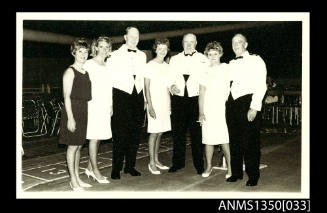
<point x="212" y="16"/>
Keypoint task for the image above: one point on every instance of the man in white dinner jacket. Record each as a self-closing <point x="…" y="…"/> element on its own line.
<point x="243" y="110"/>
<point x="185" y="70"/>
<point x="128" y="64"/>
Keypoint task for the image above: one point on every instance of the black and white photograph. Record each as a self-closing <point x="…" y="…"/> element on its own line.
<point x="162" y="105"/>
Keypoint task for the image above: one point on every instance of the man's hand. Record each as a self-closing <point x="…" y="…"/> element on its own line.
<point x="251" y="114"/>
<point x="174" y="89"/>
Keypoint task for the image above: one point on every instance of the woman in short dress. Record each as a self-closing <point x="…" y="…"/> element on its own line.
<point x="77" y="93"/>
<point x="158" y="102"/>
<point x="100" y="107"/>
<point x="214" y="91"/>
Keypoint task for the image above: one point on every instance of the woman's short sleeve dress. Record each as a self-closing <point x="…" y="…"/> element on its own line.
<point x="99" y="108"/>
<point x="216" y="81"/>
<point x="80" y="95"/>
<point x="160" y="97"/>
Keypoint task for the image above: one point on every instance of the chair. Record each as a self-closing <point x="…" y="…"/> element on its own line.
<point x="56" y="106"/>
<point x="34" y="118"/>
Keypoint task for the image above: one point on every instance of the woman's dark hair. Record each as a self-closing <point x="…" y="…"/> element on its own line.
<point x="79" y="43"/>
<point x="159" y="41"/>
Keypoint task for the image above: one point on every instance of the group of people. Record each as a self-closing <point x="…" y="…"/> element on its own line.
<point x="107" y="96"/>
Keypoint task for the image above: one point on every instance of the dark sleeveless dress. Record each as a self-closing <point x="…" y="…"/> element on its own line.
<point x="80" y="95"/>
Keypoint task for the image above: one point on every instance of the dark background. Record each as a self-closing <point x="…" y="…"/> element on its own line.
<point x="280" y="45"/>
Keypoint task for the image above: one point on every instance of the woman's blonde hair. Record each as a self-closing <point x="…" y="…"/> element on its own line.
<point x="213" y="46"/>
<point x="95" y="43"/>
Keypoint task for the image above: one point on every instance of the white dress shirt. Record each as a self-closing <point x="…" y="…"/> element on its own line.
<point x="124" y="65"/>
<point x="248" y="74"/>
<point x="190" y="65"/>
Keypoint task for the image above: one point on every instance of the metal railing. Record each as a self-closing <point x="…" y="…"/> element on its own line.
<point x="42" y="113"/>
<point x="283" y="115"/>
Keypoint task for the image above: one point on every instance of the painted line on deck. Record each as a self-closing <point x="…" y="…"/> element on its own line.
<point x="267" y="150"/>
<point x="272" y="148"/>
<point x="29" y="187"/>
<point x="198" y="182"/>
<point x="38" y="167"/>
<point x="66" y="176"/>
<point x="105" y="158"/>
<point x="32" y="176"/>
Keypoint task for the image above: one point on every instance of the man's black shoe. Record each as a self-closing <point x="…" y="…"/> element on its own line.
<point x="234" y="178"/>
<point x="132" y="172"/>
<point x="252" y="182"/>
<point x="173" y="169"/>
<point x="115" y="175"/>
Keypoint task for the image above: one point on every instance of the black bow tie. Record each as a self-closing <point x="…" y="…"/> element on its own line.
<point x="129" y="50"/>
<point x="238" y="57"/>
<point x="187" y="54"/>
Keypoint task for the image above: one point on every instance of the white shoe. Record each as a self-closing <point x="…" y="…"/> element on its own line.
<point x="85" y="185"/>
<point x="90" y="173"/>
<point x="153" y="172"/>
<point x="76" y="189"/>
<point x="205" y="175"/>
<point x="162" y="167"/>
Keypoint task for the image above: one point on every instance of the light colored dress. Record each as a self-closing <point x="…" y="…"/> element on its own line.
<point x="160" y="97"/>
<point x="216" y="80"/>
<point x="99" y="108"/>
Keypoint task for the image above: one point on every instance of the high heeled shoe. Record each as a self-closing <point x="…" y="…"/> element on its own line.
<point x="85" y="185"/>
<point x="76" y="189"/>
<point x="91" y="173"/>
<point x="162" y="167"/>
<point x="206" y="174"/>
<point x="153" y="172"/>
<point x="88" y="173"/>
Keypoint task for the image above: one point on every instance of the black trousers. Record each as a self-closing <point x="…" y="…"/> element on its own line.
<point x="244" y="137"/>
<point x="185" y="113"/>
<point x="127" y="120"/>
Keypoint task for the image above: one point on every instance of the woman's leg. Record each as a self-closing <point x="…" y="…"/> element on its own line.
<point x="77" y="160"/>
<point x="156" y="149"/>
<point x="227" y="157"/>
<point x="209" y="153"/>
<point x="89" y="165"/>
<point x="93" y="152"/>
<point x="71" y="156"/>
<point x="152" y="142"/>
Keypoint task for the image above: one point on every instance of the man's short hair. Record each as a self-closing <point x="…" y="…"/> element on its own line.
<point x="240" y="35"/>
<point x="130" y="27"/>
<point x="188" y="35"/>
